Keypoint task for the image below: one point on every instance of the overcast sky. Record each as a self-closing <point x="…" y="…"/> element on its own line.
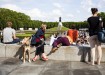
<point x="51" y="10"/>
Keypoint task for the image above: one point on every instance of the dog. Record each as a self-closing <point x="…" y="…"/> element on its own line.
<point x="26" y="48"/>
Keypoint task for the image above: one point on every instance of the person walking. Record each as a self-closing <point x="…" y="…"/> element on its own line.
<point x="39" y="39"/>
<point x="94" y="26"/>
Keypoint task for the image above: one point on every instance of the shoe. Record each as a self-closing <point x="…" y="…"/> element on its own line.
<point x="45" y="59"/>
<point x="35" y="58"/>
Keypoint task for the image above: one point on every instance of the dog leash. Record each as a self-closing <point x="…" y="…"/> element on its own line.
<point x="38" y="46"/>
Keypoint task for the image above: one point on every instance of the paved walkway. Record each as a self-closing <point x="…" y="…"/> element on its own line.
<point x="13" y="66"/>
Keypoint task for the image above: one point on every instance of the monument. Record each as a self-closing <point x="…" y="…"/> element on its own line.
<point x="59" y="24"/>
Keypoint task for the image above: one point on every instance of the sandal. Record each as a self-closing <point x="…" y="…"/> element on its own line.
<point x="35" y="58"/>
<point x="45" y="59"/>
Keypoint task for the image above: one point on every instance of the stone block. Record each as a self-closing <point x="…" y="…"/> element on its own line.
<point x="2" y="50"/>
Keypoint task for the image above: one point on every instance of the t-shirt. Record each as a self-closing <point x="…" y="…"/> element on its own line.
<point x="94" y="25"/>
<point x="8" y="34"/>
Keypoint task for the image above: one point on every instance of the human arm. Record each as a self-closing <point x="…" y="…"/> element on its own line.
<point x="14" y="34"/>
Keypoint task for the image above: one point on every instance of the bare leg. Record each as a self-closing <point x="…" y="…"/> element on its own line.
<point x="52" y="51"/>
<point x="99" y="54"/>
<point x="92" y="41"/>
<point x="93" y="55"/>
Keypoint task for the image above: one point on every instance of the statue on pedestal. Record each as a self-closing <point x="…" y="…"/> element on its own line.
<point x="59" y="24"/>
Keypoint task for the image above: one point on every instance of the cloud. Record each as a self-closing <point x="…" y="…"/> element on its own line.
<point x="38" y="14"/>
<point x="101" y="4"/>
<point x="78" y="11"/>
<point x="12" y="7"/>
<point x="6" y="0"/>
<point x="57" y="5"/>
<point x="87" y="4"/>
<point x="35" y="13"/>
<point x="57" y="12"/>
<point x="70" y="15"/>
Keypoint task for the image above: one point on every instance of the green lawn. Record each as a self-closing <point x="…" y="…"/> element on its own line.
<point x="55" y="29"/>
<point x="48" y="32"/>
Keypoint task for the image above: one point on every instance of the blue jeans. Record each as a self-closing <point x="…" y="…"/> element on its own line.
<point x="14" y="41"/>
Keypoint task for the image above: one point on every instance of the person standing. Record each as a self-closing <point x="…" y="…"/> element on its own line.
<point x="9" y="34"/>
<point x="94" y="26"/>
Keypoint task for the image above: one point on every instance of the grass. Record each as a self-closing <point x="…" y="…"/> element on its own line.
<point x="23" y="35"/>
<point x="55" y="29"/>
<point x="49" y="32"/>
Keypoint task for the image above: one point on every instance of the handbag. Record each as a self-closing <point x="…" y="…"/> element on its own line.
<point x="101" y="35"/>
<point x="37" y="37"/>
<point x="33" y="39"/>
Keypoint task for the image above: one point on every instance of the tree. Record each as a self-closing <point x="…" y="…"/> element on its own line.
<point x="102" y="14"/>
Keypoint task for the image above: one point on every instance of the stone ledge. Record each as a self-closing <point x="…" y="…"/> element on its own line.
<point x="69" y="53"/>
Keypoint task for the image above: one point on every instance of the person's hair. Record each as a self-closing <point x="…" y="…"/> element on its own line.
<point x="9" y="23"/>
<point x="43" y="26"/>
<point x="94" y="10"/>
<point x="73" y="26"/>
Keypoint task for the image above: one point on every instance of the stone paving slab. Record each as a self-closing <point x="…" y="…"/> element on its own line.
<point x="7" y="65"/>
<point x="53" y="71"/>
<point x="58" y="64"/>
<point x="86" y="72"/>
<point x="14" y="66"/>
<point x="27" y="70"/>
<point x="81" y="65"/>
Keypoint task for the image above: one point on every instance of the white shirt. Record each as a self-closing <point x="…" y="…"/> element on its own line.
<point x="8" y="34"/>
<point x="52" y="40"/>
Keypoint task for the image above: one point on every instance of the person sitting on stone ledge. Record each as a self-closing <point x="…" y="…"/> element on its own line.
<point x="9" y="34"/>
<point x="64" y="41"/>
<point x="73" y="33"/>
